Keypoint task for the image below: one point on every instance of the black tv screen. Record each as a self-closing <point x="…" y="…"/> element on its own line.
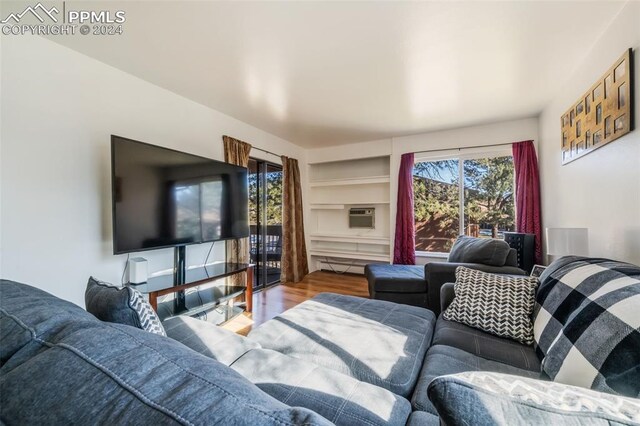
<point x="166" y="198"/>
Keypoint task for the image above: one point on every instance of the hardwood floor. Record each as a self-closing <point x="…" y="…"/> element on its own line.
<point x="272" y="301"/>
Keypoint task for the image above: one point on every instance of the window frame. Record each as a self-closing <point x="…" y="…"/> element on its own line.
<point x="461" y="155"/>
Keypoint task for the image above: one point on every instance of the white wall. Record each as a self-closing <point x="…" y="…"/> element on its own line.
<point x="59" y="109"/>
<point x="600" y="191"/>
<point x="488" y="134"/>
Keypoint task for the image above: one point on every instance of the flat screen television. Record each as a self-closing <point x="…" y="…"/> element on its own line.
<point x="166" y="198"/>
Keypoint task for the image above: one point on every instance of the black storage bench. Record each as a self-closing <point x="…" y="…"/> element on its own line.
<point x="397" y="283"/>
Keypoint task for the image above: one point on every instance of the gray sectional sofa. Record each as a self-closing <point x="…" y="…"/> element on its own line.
<point x="420" y="285"/>
<point x="331" y="360"/>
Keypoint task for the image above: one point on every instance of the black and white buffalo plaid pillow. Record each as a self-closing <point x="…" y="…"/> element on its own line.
<point x="498" y="304"/>
<point x="587" y="324"/>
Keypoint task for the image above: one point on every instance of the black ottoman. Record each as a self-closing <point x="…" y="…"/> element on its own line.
<point x="397" y="283"/>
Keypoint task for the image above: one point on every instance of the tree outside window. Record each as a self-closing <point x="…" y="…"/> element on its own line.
<point x="486" y="202"/>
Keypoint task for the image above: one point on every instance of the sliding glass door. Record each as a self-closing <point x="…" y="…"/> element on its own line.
<point x="265" y="215"/>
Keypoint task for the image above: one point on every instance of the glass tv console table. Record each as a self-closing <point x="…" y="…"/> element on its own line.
<point x="206" y="300"/>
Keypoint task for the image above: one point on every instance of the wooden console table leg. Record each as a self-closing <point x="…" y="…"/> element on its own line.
<point x="153" y="300"/>
<point x="249" y="292"/>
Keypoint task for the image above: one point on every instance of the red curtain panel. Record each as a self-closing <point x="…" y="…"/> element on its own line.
<point x="528" y="213"/>
<point x="404" y="251"/>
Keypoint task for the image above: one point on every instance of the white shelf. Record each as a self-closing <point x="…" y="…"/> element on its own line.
<point x="341" y="206"/>
<point x="368" y="203"/>
<point x="358" y="239"/>
<point x="350" y="254"/>
<point x="351" y="181"/>
<point x="326" y="206"/>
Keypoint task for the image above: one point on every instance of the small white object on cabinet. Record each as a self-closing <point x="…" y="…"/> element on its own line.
<point x="138" y="270"/>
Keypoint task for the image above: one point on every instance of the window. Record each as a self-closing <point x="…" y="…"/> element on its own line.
<point x="469" y="194"/>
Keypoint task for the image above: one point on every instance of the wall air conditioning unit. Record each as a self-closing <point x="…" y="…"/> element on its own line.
<point x="362" y="217"/>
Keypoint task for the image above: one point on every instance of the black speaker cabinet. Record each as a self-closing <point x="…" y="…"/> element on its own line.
<point x="525" y="246"/>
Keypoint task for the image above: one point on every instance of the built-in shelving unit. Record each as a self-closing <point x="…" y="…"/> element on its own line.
<point x="334" y="188"/>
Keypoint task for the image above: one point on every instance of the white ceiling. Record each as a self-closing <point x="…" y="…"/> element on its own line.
<point x="326" y="73"/>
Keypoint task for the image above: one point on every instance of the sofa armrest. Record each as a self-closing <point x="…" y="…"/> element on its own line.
<point x="438" y="273"/>
<point x="447" y="294"/>
<point x="463" y="399"/>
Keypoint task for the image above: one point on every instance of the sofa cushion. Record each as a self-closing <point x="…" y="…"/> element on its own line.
<point x="487" y="251"/>
<point x="396" y="278"/>
<point x="122" y="305"/>
<point x="83" y="371"/>
<point x="47" y="316"/>
<point x="412" y="299"/>
<point x="447" y="294"/>
<point x="422" y="418"/>
<point x="512" y="258"/>
<point x="223" y="345"/>
<point x="340" y="398"/>
<point x="485" y="345"/>
<point x="597" y="343"/>
<point x="498" y="304"/>
<point x="482" y="398"/>
<point x="441" y="360"/>
<point x="378" y="342"/>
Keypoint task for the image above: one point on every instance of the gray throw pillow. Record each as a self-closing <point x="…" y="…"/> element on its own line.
<point x="498" y="304"/>
<point x="487" y="251"/>
<point x="122" y="305"/>
<point x="485" y="398"/>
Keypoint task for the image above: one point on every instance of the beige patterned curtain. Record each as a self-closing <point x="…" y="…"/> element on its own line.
<point x="237" y="152"/>
<point x="294" y="250"/>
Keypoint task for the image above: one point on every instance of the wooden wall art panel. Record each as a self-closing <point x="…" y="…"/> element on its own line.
<point x="601" y="115"/>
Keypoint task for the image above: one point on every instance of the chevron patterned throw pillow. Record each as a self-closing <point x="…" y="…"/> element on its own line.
<point x="148" y="318"/>
<point x="498" y="304"/>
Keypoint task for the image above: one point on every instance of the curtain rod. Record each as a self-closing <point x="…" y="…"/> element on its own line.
<point x="265" y="151"/>
<point x="465" y="147"/>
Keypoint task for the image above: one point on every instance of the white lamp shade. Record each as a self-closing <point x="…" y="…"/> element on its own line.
<point x="567" y="241"/>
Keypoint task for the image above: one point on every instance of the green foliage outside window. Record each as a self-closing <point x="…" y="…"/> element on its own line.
<point x="489" y="194"/>
<point x="273" y="201"/>
<point x="488" y="200"/>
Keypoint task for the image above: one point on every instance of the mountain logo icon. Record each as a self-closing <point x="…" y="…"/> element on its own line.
<point x="34" y="11"/>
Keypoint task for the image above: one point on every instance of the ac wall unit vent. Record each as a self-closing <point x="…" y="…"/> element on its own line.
<point x="362" y="217"/>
